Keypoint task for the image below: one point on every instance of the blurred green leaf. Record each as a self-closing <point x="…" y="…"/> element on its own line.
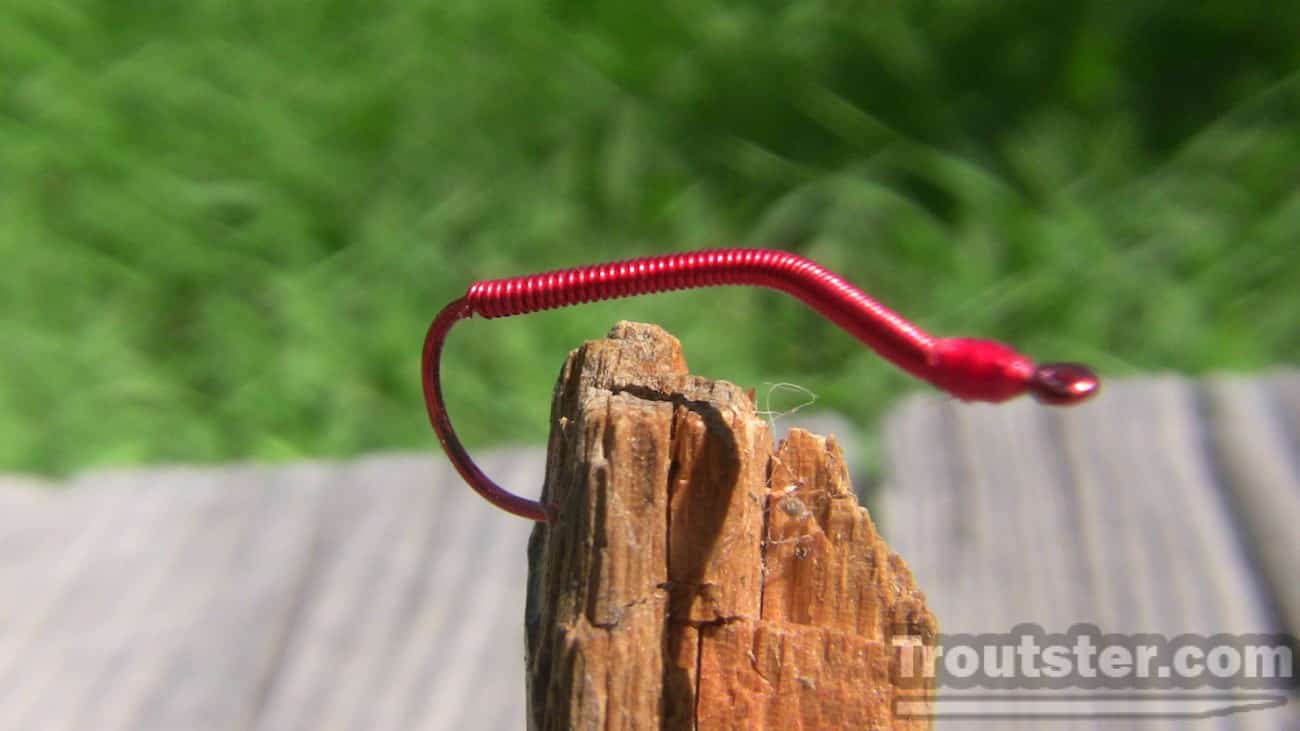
<point x="224" y="226"/>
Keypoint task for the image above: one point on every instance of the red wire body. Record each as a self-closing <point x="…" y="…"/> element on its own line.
<point x="900" y="341"/>
<point x="967" y="368"/>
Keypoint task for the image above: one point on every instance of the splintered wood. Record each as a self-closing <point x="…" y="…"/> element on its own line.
<point x="698" y="578"/>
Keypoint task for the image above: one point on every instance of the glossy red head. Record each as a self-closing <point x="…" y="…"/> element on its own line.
<point x="986" y="370"/>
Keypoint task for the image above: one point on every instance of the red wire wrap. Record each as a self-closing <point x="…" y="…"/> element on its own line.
<point x="967" y="368"/>
<point x="871" y="322"/>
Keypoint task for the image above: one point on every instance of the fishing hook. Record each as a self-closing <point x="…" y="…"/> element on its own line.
<point x="968" y="368"/>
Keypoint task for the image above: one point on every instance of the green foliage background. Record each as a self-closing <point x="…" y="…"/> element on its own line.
<point x="224" y="225"/>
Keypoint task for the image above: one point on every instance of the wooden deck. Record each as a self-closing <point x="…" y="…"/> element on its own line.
<point x="382" y="594"/>
<point x="1166" y="507"/>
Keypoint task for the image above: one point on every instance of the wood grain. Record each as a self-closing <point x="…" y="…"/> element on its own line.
<point x="696" y="578"/>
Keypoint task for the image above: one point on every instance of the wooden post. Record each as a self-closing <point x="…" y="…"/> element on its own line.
<point x="697" y="578"/>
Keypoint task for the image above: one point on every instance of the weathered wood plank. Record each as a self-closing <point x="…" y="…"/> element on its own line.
<point x="163" y="611"/>
<point x="20" y="496"/>
<point x="473" y="661"/>
<point x="1254" y="442"/>
<point x="410" y="618"/>
<point x="50" y="663"/>
<point x="1111" y="513"/>
<point x="378" y="594"/>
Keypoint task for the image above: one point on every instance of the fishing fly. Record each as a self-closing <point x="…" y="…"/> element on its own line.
<point x="970" y="369"/>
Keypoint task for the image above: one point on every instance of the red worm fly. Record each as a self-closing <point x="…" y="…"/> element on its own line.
<point x="970" y="369"/>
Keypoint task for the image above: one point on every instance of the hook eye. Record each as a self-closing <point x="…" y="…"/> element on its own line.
<point x="1063" y="384"/>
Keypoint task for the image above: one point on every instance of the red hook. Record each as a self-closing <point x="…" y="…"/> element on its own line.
<point x="970" y="369"/>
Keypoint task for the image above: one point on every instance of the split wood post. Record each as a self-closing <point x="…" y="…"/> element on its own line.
<point x="696" y="578"/>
